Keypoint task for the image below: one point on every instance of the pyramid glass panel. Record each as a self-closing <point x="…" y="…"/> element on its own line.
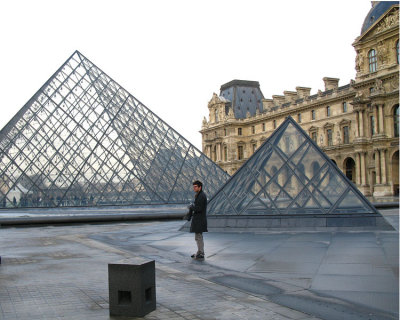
<point x="83" y="140"/>
<point x="289" y="174"/>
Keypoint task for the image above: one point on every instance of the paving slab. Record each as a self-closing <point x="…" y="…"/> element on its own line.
<point x="60" y="272"/>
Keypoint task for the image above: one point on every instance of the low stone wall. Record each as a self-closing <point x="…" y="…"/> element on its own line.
<point x="299" y="222"/>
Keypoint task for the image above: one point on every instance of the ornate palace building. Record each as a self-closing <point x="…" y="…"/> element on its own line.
<point x="356" y="125"/>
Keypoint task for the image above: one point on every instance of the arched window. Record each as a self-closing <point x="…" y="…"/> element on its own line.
<point x="396" y="120"/>
<point x="372" y="60"/>
<point x="216" y="115"/>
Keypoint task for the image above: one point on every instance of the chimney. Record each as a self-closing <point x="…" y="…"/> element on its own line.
<point x="290" y="96"/>
<point x="267" y="104"/>
<point x="278" y="100"/>
<point x="331" y="83"/>
<point x="303" y="92"/>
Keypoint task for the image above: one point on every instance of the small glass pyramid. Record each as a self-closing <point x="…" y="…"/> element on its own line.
<point x="83" y="140"/>
<point x="288" y="174"/>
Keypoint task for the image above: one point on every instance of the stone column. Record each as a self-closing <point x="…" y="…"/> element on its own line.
<point x="361" y="123"/>
<point x="383" y="166"/>
<point x="381" y="119"/>
<point x="363" y="169"/>
<point x="376" y="119"/>
<point x="377" y="167"/>
<point x="218" y="152"/>
<point x="358" y="124"/>
<point x="358" y="168"/>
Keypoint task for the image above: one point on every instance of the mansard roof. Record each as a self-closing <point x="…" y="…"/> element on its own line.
<point x="245" y="97"/>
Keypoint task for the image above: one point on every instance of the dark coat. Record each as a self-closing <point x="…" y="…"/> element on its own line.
<point x="199" y="218"/>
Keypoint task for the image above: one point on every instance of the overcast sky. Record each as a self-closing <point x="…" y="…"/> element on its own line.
<point x="172" y="55"/>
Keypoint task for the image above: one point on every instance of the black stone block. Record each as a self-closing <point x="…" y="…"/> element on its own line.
<point x="132" y="289"/>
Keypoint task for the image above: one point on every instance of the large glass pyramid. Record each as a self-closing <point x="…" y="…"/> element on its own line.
<point x="288" y="174"/>
<point x="83" y="140"/>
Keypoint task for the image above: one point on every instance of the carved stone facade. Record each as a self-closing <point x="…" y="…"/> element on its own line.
<point x="357" y="125"/>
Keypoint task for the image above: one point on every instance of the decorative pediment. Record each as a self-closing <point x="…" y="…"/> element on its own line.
<point x="328" y="125"/>
<point x="345" y="122"/>
<point x="391" y="19"/>
<point x="313" y="129"/>
<point x="387" y="21"/>
<point x="215" y="100"/>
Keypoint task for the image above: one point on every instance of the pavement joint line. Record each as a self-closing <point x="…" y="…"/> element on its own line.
<point x="178" y="270"/>
<point x="159" y="266"/>
<point x="212" y="283"/>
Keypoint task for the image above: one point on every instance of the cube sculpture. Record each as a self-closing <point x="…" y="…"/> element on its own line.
<point x="132" y="289"/>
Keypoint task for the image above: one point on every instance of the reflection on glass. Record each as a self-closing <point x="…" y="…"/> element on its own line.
<point x="83" y="140"/>
<point x="288" y="174"/>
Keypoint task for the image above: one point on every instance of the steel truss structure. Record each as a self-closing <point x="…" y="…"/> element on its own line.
<point x="289" y="174"/>
<point x="83" y="140"/>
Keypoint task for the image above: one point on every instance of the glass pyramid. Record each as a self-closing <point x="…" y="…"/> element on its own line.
<point x="83" y="140"/>
<point x="288" y="174"/>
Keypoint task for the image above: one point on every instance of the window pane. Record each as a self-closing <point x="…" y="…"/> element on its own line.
<point x="372" y="60"/>
<point x="372" y="125"/>
<point x="329" y="134"/>
<point x="314" y="136"/>
<point x="240" y="152"/>
<point x="345" y="134"/>
<point x="396" y="120"/>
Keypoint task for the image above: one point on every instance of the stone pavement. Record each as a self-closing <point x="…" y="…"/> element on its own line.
<point x="60" y="272"/>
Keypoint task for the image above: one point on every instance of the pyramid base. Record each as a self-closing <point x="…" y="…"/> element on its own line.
<point x="357" y="222"/>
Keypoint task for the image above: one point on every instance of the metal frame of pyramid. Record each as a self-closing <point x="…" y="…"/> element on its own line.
<point x="83" y="140"/>
<point x="290" y="183"/>
<point x="289" y="174"/>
